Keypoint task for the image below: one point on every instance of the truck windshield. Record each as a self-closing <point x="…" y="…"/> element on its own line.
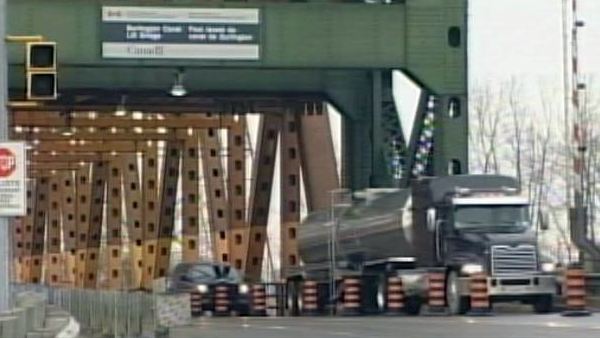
<point x="492" y="217"/>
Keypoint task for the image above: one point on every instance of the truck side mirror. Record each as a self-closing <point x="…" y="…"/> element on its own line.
<point x="544" y="221"/>
<point x="431" y="219"/>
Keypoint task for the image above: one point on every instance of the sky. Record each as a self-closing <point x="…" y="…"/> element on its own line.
<point x="523" y="38"/>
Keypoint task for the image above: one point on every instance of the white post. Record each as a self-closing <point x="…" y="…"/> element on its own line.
<point x="5" y="242"/>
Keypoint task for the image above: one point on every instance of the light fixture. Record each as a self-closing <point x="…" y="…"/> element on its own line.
<point x="178" y="90"/>
<point x="68" y="129"/>
<point x="121" y="110"/>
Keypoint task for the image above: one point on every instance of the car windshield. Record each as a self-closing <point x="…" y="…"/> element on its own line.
<point x="492" y="217"/>
<point x="209" y="273"/>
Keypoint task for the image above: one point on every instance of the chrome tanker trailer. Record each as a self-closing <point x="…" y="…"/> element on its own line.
<point x="462" y="224"/>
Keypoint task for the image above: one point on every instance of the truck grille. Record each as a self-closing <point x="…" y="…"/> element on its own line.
<point x="507" y="260"/>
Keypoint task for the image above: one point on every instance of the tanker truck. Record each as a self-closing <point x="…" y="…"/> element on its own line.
<point x="462" y="225"/>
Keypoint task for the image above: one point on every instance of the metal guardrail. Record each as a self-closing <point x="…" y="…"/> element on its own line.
<point x="109" y="313"/>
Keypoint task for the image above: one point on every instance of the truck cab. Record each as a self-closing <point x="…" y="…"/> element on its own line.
<point x="488" y="229"/>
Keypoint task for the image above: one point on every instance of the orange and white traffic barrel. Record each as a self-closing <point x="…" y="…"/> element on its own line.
<point x="310" y="305"/>
<point x="436" y="292"/>
<point x="259" y="300"/>
<point x="351" y="300"/>
<point x="196" y="304"/>
<point x="575" y="292"/>
<point x="222" y="300"/>
<point x="479" y="293"/>
<point x="395" y="296"/>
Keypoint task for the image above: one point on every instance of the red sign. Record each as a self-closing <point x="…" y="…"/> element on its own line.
<point x="8" y="162"/>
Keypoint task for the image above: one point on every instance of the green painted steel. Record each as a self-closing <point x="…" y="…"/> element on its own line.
<point x="327" y="47"/>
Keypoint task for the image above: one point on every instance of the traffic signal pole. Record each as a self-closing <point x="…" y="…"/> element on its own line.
<point x="5" y="242"/>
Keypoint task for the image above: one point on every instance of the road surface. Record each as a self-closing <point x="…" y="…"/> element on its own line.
<point x="498" y="326"/>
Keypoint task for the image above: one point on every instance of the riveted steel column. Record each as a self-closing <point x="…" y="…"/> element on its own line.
<point x="28" y="231"/>
<point x="134" y="215"/>
<point x="151" y="212"/>
<point x="167" y="206"/>
<point x="290" y="190"/>
<point x="191" y="189"/>
<point x="318" y="157"/>
<point x="84" y="190"/>
<point x="98" y="185"/>
<point x="214" y="183"/>
<point x="18" y="227"/>
<point x="53" y="257"/>
<point x="236" y="187"/>
<point x="69" y="225"/>
<point x="260" y="194"/>
<point x="39" y="227"/>
<point x="114" y="218"/>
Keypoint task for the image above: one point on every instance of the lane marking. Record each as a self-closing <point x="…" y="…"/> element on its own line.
<point x="554" y="324"/>
<point x="276" y="327"/>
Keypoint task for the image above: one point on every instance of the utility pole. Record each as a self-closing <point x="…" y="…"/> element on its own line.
<point x="5" y="242"/>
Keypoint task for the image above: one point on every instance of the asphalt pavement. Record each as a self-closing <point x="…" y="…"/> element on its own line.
<point x="521" y="325"/>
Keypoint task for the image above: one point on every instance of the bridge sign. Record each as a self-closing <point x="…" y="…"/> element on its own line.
<point x="180" y="33"/>
<point x="12" y="179"/>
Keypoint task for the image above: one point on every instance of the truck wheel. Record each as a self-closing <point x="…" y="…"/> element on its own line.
<point x="457" y="304"/>
<point x="412" y="306"/>
<point x="543" y="304"/>
<point x="381" y="295"/>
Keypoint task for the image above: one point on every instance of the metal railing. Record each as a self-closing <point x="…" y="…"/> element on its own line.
<point x="109" y="313"/>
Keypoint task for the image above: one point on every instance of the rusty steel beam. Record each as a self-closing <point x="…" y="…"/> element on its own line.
<point x="215" y="102"/>
<point x="290" y="191"/>
<point x="27" y="237"/>
<point x="18" y="229"/>
<point x="84" y="205"/>
<point x="39" y="227"/>
<point x="151" y="212"/>
<point x="98" y="185"/>
<point x="37" y="157"/>
<point x="216" y="199"/>
<point x="114" y="248"/>
<point x="260" y="194"/>
<point x="53" y="255"/>
<point x="87" y="147"/>
<point x="133" y="215"/>
<point x="236" y="186"/>
<point x="85" y="120"/>
<point x="49" y="166"/>
<point x="108" y="134"/>
<point x="69" y="225"/>
<point x="318" y="158"/>
<point x="190" y="193"/>
<point x="168" y="197"/>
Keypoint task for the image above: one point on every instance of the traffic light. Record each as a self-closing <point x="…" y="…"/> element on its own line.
<point x="41" y="71"/>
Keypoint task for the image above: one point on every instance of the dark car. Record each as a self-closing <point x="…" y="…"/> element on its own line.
<point x="203" y="278"/>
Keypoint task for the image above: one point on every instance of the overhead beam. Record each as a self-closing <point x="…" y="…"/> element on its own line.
<point x="54" y="119"/>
